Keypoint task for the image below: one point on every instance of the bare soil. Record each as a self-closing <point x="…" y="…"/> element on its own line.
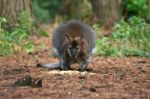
<point x="109" y="78"/>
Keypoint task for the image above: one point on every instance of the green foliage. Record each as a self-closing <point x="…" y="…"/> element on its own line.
<point x="16" y="40"/>
<point x="46" y="10"/>
<point x="135" y="7"/>
<point x="49" y="10"/>
<point x="104" y="47"/>
<point x="29" y="47"/>
<point x="130" y="38"/>
<point x="25" y="22"/>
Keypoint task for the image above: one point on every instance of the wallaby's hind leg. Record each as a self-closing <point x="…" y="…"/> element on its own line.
<point x="65" y="66"/>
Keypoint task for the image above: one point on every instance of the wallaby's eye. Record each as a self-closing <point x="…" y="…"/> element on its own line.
<point x="70" y="47"/>
<point x="78" y="47"/>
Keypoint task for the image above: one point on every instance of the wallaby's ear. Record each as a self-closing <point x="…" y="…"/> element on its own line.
<point x="67" y="38"/>
<point x="81" y="39"/>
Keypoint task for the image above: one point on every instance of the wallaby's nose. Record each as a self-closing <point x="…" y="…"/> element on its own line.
<point x="73" y="56"/>
<point x="74" y="53"/>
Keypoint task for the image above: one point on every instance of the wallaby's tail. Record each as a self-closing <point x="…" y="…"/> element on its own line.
<point x="49" y="66"/>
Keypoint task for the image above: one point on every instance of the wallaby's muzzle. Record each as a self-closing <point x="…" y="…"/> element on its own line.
<point x="73" y="52"/>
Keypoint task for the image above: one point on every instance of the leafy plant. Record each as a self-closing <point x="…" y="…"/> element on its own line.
<point x="29" y="47"/>
<point x="130" y="38"/>
<point x="16" y="40"/>
<point x="135" y="7"/>
<point x="25" y="22"/>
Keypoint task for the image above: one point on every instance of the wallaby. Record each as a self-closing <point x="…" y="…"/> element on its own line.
<point x="73" y="42"/>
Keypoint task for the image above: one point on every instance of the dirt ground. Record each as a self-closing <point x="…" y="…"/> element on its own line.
<point x="110" y="78"/>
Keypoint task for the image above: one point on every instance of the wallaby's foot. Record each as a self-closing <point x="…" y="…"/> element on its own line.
<point x="66" y="68"/>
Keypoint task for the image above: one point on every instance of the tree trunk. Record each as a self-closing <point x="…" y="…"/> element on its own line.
<point x="106" y="11"/>
<point x="10" y="9"/>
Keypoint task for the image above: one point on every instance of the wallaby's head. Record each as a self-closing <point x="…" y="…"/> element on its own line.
<point x="73" y="45"/>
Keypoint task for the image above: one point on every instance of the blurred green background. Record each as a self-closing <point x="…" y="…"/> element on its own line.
<point x="122" y="26"/>
<point x="48" y="10"/>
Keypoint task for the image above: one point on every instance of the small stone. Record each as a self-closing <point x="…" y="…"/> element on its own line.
<point x="82" y="77"/>
<point x="92" y="89"/>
